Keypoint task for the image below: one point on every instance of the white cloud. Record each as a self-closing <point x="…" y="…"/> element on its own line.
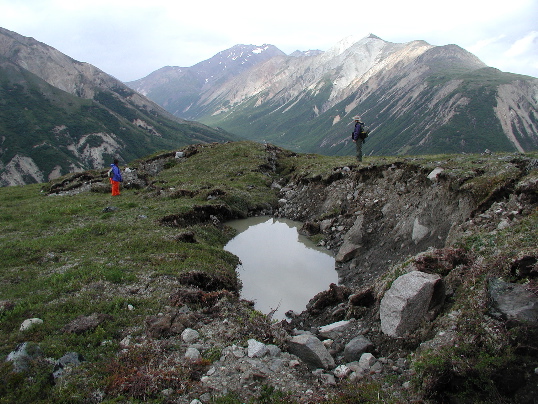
<point x="514" y="53"/>
<point x="524" y="46"/>
<point x="131" y="38"/>
<point x="522" y="55"/>
<point x="485" y="43"/>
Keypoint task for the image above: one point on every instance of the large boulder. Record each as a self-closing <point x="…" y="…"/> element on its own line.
<point x="352" y="241"/>
<point x="513" y="302"/>
<point x="408" y="302"/>
<point x="311" y="350"/>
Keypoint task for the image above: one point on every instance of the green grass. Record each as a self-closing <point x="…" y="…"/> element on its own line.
<point x="61" y="253"/>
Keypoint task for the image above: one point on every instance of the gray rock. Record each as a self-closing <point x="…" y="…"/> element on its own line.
<point x="434" y="174"/>
<point x="419" y="231"/>
<point x="192" y="355"/>
<point x="235" y="351"/>
<point x="273" y="350"/>
<point x="366" y="361"/>
<point x="512" y="302"/>
<point x="256" y="349"/>
<point x="327" y="379"/>
<point x="70" y="359"/>
<point x="356" y="347"/>
<point x="325" y="225"/>
<point x="342" y="371"/>
<point x="29" y="323"/>
<point x="407" y="302"/>
<point x="189" y="335"/>
<point x="333" y="330"/>
<point x="377" y="367"/>
<point x="311" y="350"/>
<point x="23" y="354"/>
<point x="354" y="366"/>
<point x="352" y="241"/>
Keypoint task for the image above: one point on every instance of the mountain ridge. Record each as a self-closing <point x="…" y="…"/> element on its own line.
<point x="417" y="98"/>
<point x="59" y="115"/>
<point x="185" y="83"/>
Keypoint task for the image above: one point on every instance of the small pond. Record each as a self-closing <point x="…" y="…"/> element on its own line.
<point x="279" y="267"/>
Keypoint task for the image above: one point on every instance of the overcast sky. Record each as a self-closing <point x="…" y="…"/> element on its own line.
<point x="131" y="38"/>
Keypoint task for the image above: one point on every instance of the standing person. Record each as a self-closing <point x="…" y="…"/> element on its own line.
<point x="115" y="178"/>
<point x="358" y="135"/>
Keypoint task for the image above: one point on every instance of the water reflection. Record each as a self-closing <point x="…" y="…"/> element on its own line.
<point x="280" y="268"/>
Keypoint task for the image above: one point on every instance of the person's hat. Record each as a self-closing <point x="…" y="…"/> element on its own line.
<point x="356" y="118"/>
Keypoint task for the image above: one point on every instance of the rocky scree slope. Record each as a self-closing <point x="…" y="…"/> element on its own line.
<point x="468" y="221"/>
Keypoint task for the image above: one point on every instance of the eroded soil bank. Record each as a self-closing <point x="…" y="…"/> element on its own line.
<point x="373" y="217"/>
<point x="449" y="218"/>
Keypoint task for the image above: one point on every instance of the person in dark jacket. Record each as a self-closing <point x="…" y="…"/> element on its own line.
<point x="357" y="136"/>
<point x="116" y="178"/>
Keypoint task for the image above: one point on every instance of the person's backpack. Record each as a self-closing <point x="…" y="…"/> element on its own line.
<point x="364" y="132"/>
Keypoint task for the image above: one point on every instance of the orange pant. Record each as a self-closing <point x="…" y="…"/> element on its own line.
<point x="115" y="187"/>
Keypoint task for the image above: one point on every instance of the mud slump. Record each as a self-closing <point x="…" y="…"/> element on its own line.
<point x="280" y="269"/>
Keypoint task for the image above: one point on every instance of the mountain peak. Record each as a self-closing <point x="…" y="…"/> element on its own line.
<point x="372" y="36"/>
<point x="310" y="52"/>
<point x="343" y="44"/>
<point x="349" y="41"/>
<point x="235" y="60"/>
<point x="246" y="51"/>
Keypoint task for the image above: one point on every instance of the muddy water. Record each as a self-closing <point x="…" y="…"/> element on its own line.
<point x="280" y="269"/>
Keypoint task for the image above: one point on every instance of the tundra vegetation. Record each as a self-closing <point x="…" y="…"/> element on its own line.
<point x="98" y="270"/>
